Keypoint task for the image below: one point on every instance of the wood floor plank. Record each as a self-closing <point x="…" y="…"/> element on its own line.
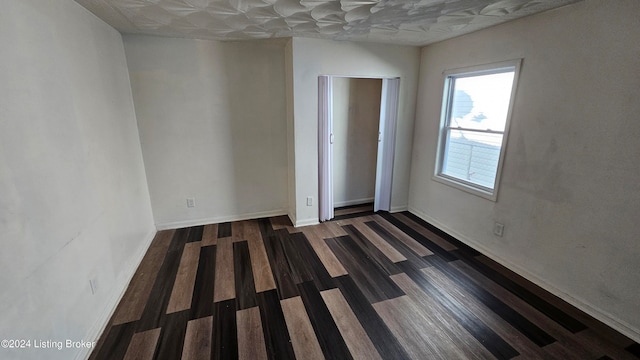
<point x="250" y="230"/>
<point x="224" y="230"/>
<point x="371" y="250"/>
<point x="546" y="307"/>
<point x="143" y="345"/>
<point x="545" y="302"/>
<point x="279" y="263"/>
<point x="300" y="267"/>
<point x="384" y="341"/>
<point x="225" y="344"/>
<point x="406" y="239"/>
<point x="471" y="323"/>
<point x="224" y="278"/>
<point x="203" y="290"/>
<point x="454" y="278"/>
<point x="182" y="292"/>
<point x="250" y="335"/>
<point x="135" y="298"/>
<point x="412" y="330"/>
<point x="316" y="269"/>
<point x="172" y="336"/>
<point x="197" y="339"/>
<point x="596" y="344"/>
<point x="316" y="235"/>
<point x="195" y="234"/>
<point x="634" y="349"/>
<point x="327" y="333"/>
<point x="282" y="222"/>
<point x="262" y="275"/>
<point x="334" y="228"/>
<point x="526" y="347"/>
<point x="303" y="339"/>
<point x="405" y="250"/>
<point x="276" y="335"/>
<point x="237" y="229"/>
<point x="115" y="343"/>
<point x="210" y="235"/>
<point x="443" y="323"/>
<point x="386" y="248"/>
<point x="354" y="335"/>
<point x="425" y="241"/>
<point x="426" y="232"/>
<point x="245" y="285"/>
<point x="156" y="306"/>
<point x="369" y="276"/>
<point x="558" y="350"/>
<point x="565" y="338"/>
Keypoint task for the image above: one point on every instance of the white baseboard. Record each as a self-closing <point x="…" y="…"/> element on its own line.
<point x="396" y="209"/>
<point x="601" y="315"/>
<point x="219" y="219"/>
<point x="306" y="222"/>
<point x="115" y="297"/>
<point x="353" y="202"/>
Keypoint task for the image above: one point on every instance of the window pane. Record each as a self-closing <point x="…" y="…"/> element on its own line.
<point x="472" y="156"/>
<point x="481" y="102"/>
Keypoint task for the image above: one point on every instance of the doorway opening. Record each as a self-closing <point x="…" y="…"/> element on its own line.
<point x="357" y="120"/>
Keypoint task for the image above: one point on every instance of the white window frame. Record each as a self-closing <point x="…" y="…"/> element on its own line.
<point x="447" y="97"/>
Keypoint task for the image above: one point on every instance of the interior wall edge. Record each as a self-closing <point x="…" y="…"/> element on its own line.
<point x="292" y="216"/>
<point x="220" y="219"/>
<point x="599" y="314"/>
<point x="107" y="312"/>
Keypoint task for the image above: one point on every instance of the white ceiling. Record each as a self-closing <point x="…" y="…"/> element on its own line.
<point x="410" y="22"/>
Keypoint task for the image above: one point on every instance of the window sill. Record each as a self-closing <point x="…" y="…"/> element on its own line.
<point x="489" y="195"/>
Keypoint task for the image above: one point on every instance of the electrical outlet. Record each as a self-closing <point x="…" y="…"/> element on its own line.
<point x="309" y="201"/>
<point x="94" y="285"/>
<point x="498" y="229"/>
<point x="191" y="202"/>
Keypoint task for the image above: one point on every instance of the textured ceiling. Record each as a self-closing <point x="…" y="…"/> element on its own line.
<point x="410" y="22"/>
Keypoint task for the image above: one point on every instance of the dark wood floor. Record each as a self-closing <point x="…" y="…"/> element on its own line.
<point x="364" y="286"/>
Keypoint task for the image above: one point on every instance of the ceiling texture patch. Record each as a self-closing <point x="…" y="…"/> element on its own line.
<point x="408" y="22"/>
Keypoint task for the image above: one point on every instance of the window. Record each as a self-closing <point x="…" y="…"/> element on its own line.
<point x="476" y="107"/>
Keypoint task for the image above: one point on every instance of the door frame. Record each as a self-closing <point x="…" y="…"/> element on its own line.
<point x="386" y="143"/>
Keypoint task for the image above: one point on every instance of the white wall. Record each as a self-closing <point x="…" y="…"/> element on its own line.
<point x="570" y="195"/>
<point x="356" y="119"/>
<point x="212" y="120"/>
<point x="74" y="203"/>
<point x="313" y="57"/>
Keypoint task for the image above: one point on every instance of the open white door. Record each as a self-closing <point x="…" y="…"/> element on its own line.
<point x="386" y="143"/>
<point x="325" y="150"/>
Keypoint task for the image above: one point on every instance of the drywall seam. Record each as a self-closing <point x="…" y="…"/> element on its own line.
<point x="602" y="316"/>
<point x="353" y="202"/>
<point x="101" y="323"/>
<point x="220" y="219"/>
